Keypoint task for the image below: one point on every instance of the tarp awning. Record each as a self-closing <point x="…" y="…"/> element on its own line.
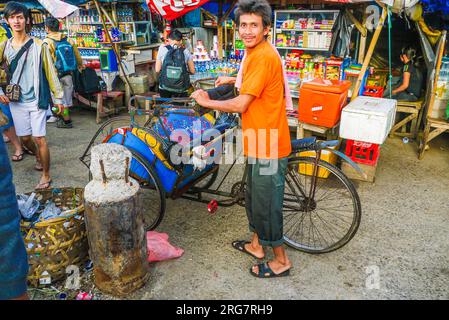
<point x="171" y="10"/>
<point x="58" y="8"/>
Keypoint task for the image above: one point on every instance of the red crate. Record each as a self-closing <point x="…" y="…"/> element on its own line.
<point x="373" y="91"/>
<point x="362" y="152"/>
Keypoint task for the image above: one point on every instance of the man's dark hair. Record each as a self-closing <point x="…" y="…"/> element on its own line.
<point x="13" y="8"/>
<point x="52" y="24"/>
<point x="258" y="7"/>
<point x="175" y="35"/>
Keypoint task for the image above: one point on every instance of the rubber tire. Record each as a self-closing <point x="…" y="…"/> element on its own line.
<point x="357" y="206"/>
<point x="162" y="195"/>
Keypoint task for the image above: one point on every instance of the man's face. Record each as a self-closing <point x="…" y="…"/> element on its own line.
<point x="17" y="22"/>
<point x="251" y="30"/>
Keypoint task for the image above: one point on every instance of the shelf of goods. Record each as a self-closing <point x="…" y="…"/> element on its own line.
<point x="86" y="29"/>
<point x="308" y="30"/>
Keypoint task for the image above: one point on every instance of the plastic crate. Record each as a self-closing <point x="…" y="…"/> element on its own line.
<point x="326" y="155"/>
<point x="362" y="152"/>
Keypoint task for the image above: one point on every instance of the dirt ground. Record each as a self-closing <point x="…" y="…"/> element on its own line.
<point x="403" y="237"/>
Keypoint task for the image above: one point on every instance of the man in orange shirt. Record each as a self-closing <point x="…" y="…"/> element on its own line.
<point x="266" y="136"/>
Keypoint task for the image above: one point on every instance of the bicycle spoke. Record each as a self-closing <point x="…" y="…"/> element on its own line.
<point x="330" y="214"/>
<point x="325" y="223"/>
<point x="337" y="216"/>
<point x="321" y="236"/>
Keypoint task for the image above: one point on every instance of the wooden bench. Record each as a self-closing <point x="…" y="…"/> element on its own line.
<point x="408" y="127"/>
<point x="106" y="103"/>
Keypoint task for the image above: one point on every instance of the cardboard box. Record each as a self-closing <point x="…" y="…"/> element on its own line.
<point x="352" y="174"/>
<point x="368" y="119"/>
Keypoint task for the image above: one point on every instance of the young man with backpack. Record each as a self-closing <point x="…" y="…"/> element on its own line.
<point x="67" y="60"/>
<point x="32" y="82"/>
<point x="175" y="64"/>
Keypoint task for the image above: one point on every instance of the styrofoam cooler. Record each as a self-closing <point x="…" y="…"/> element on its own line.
<point x="368" y="119"/>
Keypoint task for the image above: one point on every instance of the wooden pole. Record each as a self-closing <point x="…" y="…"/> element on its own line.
<point x="437" y="73"/>
<point x="225" y="37"/>
<point x="369" y="54"/>
<point x="362" y="49"/>
<point x="362" y="43"/>
<point x="228" y="12"/>
<point x="220" y="30"/>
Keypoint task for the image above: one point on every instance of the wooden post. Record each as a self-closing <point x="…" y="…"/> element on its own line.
<point x="115" y="223"/>
<point x="225" y="37"/>
<point x="437" y="73"/>
<point x="369" y="54"/>
<point x="220" y="30"/>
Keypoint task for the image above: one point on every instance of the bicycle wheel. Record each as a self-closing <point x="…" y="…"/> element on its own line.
<point x="326" y="221"/>
<point x="152" y="194"/>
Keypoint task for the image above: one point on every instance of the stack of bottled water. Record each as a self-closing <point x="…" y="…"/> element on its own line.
<point x="215" y="68"/>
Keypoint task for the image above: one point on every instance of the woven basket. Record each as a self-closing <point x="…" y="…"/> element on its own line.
<point x="56" y="243"/>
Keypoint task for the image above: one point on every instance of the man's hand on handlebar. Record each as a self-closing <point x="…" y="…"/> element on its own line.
<point x="224" y="80"/>
<point x="201" y="97"/>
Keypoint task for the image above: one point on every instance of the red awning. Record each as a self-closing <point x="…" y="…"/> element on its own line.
<point x="172" y="9"/>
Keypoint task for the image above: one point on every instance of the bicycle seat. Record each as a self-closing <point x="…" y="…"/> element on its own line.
<point x="302" y="144"/>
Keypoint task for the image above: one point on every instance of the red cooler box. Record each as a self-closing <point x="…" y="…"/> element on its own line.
<point x="321" y="101"/>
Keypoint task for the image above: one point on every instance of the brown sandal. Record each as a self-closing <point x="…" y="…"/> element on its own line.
<point x="43" y="185"/>
<point x="17" y="157"/>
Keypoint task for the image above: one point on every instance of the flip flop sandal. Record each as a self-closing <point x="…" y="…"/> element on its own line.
<point x="266" y="272"/>
<point x="43" y="185"/>
<point x="240" y="246"/>
<point x="38" y="167"/>
<point x="17" y="157"/>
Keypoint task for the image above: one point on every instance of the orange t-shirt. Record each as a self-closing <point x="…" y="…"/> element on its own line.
<point x="265" y="127"/>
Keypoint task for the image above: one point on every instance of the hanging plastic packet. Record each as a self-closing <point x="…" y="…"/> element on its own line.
<point x="50" y="211"/>
<point x="28" y="205"/>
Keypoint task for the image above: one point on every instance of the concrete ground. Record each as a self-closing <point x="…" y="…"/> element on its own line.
<point x="403" y="236"/>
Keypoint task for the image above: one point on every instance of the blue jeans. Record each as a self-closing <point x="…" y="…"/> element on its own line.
<point x="13" y="256"/>
<point x="7" y="112"/>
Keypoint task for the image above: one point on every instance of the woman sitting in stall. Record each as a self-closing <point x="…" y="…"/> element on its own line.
<point x="408" y="86"/>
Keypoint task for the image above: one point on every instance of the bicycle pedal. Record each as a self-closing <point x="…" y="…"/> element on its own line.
<point x="212" y="206"/>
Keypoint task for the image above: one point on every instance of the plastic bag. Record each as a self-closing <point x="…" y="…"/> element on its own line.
<point x="50" y="211"/>
<point x="159" y="249"/>
<point x="28" y="205"/>
<point x="198" y="161"/>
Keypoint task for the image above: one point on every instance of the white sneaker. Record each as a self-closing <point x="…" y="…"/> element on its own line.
<point x="52" y="119"/>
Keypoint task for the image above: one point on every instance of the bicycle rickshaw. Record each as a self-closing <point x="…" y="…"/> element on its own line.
<point x="322" y="209"/>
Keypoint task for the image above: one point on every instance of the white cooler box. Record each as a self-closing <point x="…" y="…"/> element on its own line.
<point x="368" y="119"/>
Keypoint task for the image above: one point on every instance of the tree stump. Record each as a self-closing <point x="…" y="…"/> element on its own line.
<point x="114" y="222"/>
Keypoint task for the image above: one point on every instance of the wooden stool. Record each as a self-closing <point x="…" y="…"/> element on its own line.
<point x="414" y="116"/>
<point x="106" y="103"/>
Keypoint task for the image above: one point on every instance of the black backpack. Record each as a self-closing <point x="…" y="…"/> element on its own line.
<point x="87" y="82"/>
<point x="174" y="75"/>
